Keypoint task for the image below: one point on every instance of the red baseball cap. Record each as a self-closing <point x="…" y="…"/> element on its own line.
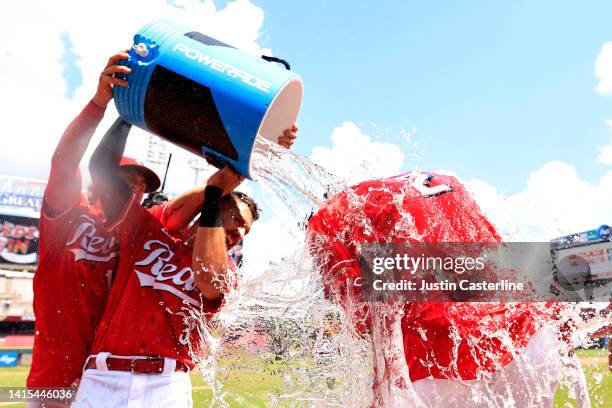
<point x="149" y="175"/>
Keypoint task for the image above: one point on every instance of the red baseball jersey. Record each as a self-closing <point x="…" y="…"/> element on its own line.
<point x="155" y="308"/>
<point x="159" y="212"/>
<point x="441" y="339"/>
<point x="71" y="285"/>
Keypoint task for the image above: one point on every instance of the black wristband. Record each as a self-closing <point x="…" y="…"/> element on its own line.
<point x="211" y="211"/>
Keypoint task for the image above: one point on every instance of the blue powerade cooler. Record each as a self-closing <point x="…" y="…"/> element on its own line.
<point x="206" y="96"/>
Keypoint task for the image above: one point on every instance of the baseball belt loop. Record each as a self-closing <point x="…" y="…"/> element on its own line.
<point x="101" y="361"/>
<point x="169" y="366"/>
<point x="87" y="362"/>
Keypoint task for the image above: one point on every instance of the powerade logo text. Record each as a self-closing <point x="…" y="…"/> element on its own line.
<point x="223" y="67"/>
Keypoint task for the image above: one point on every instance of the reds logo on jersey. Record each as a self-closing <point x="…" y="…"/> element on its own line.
<point x="180" y="282"/>
<point x="90" y="245"/>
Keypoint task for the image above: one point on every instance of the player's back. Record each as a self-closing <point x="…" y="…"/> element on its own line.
<point x="71" y="286"/>
<point x="441" y="339"/>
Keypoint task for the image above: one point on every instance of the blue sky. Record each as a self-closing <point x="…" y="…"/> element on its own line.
<point x="496" y="89"/>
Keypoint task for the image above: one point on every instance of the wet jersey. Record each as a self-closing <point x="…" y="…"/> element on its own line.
<point x="71" y="285"/>
<point x="155" y="308"/>
<point x="441" y="339"/>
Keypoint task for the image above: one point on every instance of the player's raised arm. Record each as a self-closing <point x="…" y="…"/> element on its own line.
<point x="64" y="184"/>
<point x="111" y="189"/>
<point x="210" y="249"/>
<point x="181" y="210"/>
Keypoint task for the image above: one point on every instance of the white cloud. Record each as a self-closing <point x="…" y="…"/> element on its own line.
<point x="355" y="157"/>
<point x="35" y="111"/>
<point x="603" y="69"/>
<point x="554" y="202"/>
<point x="605" y="154"/>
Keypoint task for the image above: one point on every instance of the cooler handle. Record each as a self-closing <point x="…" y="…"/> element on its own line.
<point x="279" y="60"/>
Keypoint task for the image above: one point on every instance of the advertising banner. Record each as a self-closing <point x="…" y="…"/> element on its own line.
<point x="8" y="359"/>
<point x="20" y="202"/>
<point x="18" y="240"/>
<point x="21" y="197"/>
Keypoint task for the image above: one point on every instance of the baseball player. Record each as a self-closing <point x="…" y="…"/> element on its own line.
<point x="425" y="353"/>
<point x="150" y="335"/>
<point x="77" y="255"/>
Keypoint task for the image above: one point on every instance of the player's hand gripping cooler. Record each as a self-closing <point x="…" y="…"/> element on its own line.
<point x="206" y="96"/>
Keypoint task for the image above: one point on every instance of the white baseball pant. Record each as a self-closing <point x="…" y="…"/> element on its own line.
<point x="103" y="388"/>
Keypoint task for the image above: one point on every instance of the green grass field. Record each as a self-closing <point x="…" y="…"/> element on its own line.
<point x="246" y="390"/>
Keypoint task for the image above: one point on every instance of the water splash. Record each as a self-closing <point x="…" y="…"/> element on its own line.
<point x="287" y="345"/>
<point x="294" y="186"/>
<point x="277" y="331"/>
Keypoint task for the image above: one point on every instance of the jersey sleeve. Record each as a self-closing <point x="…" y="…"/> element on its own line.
<point x="64" y="183"/>
<point x="54" y="188"/>
<point x="55" y="230"/>
<point x="339" y="267"/>
<point x="159" y="212"/>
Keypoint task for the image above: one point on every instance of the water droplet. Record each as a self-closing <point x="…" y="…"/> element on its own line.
<point x="598" y="377"/>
